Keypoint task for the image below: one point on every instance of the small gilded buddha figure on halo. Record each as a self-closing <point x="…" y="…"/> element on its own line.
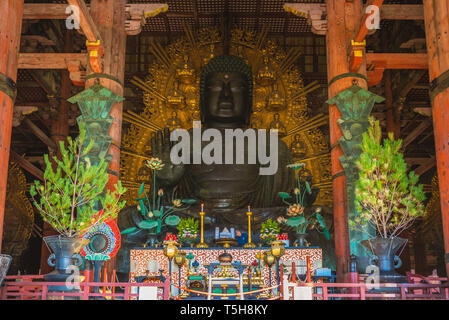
<point x="277" y="124"/>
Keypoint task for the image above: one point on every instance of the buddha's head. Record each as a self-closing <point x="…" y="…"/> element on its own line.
<point x="226" y="92"/>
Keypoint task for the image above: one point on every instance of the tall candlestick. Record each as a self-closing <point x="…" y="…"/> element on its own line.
<point x="202" y="244"/>
<point x="249" y="244"/>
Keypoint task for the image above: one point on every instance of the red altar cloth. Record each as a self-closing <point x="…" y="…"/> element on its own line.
<point x="140" y="258"/>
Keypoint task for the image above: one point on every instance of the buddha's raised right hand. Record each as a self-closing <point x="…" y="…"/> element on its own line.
<point x="170" y="174"/>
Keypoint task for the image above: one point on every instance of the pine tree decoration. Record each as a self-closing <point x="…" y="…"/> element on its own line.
<point x="387" y="197"/>
<point x="72" y="199"/>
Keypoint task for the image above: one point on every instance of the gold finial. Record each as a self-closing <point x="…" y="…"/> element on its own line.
<point x="202" y="244"/>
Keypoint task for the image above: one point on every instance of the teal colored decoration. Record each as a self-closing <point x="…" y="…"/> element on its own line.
<point x="95" y="104"/>
<point x="98" y="257"/>
<point x="298" y="218"/>
<point x="355" y="105"/>
<point x="154" y="213"/>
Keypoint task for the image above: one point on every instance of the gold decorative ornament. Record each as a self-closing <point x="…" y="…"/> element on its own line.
<point x="249" y="244"/>
<point x="170" y="249"/>
<point x="268" y="258"/>
<point x="19" y="216"/>
<point x="186" y="73"/>
<point x="265" y="75"/>
<point x="277" y="249"/>
<point x="202" y="244"/>
<point x="180" y="259"/>
<point x="176" y="99"/>
<point x="276" y="101"/>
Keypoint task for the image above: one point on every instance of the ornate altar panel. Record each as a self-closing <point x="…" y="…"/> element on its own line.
<point x="140" y="258"/>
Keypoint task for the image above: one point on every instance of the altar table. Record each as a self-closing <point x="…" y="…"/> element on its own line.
<point x="142" y="258"/>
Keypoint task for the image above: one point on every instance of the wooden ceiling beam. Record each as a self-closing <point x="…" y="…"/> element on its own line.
<point x="34" y="11"/>
<point x="416" y="161"/>
<point x="399" y="60"/>
<point x="86" y="23"/>
<point x="416" y="133"/>
<point x="26" y="165"/>
<point x="51" y="60"/>
<point x="429" y="164"/>
<point x="358" y="44"/>
<point x="362" y="29"/>
<point x="40" y="134"/>
<point x="402" y="12"/>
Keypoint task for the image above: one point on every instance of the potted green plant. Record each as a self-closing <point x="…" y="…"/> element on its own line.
<point x="298" y="218"/>
<point x="188" y="230"/>
<point x="154" y="214"/>
<point x="72" y="199"/>
<point x="388" y="199"/>
<point x="269" y="231"/>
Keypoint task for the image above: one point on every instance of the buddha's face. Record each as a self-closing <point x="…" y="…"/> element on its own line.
<point x="226" y="98"/>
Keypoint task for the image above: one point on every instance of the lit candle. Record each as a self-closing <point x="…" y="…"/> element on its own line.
<point x="249" y="208"/>
<point x="202" y="207"/>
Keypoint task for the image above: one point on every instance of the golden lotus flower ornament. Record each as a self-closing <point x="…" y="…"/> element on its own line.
<point x="295" y="210"/>
<point x="155" y="164"/>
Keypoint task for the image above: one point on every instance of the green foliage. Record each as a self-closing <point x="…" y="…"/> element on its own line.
<point x="284" y="195"/>
<point x="269" y="230"/>
<point x="302" y="185"/>
<point x="188" y="229"/>
<point x="172" y="220"/>
<point x="70" y="196"/>
<point x="387" y="197"/>
<point x="154" y="213"/>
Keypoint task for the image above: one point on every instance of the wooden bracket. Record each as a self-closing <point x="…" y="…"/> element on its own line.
<point x="77" y="73"/>
<point x="375" y="72"/>
<point x="313" y="12"/>
<point x="356" y="55"/>
<point x="96" y="53"/>
<point x="136" y="14"/>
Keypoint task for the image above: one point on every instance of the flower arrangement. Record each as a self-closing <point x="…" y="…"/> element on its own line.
<point x="188" y="230"/>
<point x="296" y="211"/>
<point x="153" y="212"/>
<point x="307" y="222"/>
<point x="299" y="192"/>
<point x="387" y="197"/>
<point x="72" y="199"/>
<point x="269" y="230"/>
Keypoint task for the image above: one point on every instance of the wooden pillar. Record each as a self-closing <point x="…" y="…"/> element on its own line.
<point x="343" y="18"/>
<point x="109" y="17"/>
<point x="59" y="132"/>
<point x="436" y="18"/>
<point x="10" y="29"/>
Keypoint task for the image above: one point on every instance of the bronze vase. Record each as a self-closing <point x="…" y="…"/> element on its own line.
<point x="384" y="257"/>
<point x="65" y="253"/>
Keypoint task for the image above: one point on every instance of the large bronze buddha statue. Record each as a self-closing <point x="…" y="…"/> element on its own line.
<point x="227" y="189"/>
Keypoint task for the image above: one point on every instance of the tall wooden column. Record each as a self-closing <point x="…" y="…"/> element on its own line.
<point x="436" y="17"/>
<point x="109" y="17"/>
<point x="10" y="29"/>
<point x="343" y="18"/>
